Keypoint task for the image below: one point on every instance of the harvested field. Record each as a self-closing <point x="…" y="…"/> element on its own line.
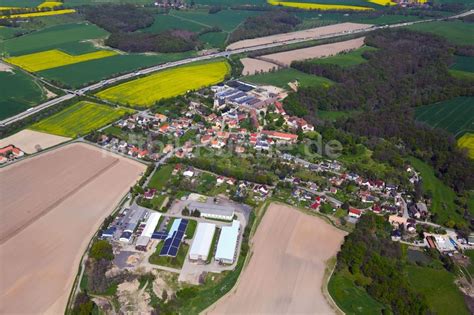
<point x="313" y="33"/>
<point x="287" y="57"/>
<point x="52" y="204"/>
<point x="286" y="271"/>
<point x="30" y="141"/>
<point x="255" y="66"/>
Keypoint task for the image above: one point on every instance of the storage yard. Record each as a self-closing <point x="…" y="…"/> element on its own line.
<point x="287" y="57"/>
<point x="53" y="204"/>
<point x="285" y="273"/>
<point x="304" y="34"/>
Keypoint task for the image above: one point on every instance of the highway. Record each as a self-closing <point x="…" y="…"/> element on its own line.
<point x="225" y="54"/>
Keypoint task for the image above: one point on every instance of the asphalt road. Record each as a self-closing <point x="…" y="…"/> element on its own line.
<point x="227" y="53"/>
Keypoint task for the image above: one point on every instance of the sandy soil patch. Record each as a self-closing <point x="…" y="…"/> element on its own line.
<point x="51" y="206"/>
<point x="30" y="141"/>
<point x="5" y="67"/>
<point x="132" y="299"/>
<point x="285" y="273"/>
<point x="287" y="57"/>
<point x="255" y="66"/>
<point x="312" y="33"/>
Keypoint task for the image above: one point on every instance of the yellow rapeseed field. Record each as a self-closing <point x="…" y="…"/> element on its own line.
<point x="319" y="6"/>
<point x="54" y="58"/>
<point x="467" y="142"/>
<point x="38" y="14"/>
<point x="382" y="2"/>
<point x="50" y="4"/>
<point x="8" y="8"/>
<point x="167" y="83"/>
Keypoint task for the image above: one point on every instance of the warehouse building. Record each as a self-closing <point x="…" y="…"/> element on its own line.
<point x="147" y="232"/>
<point x="202" y="242"/>
<point x="130" y="221"/>
<point x="227" y="245"/>
<point x="213" y="211"/>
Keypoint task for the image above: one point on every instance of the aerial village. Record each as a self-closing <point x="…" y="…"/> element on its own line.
<point x="189" y="214"/>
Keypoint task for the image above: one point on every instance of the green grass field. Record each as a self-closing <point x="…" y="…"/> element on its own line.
<point x="92" y="71"/>
<point x="352" y="58"/>
<point x="75" y="3"/>
<point x="164" y="22"/>
<point x="281" y="78"/>
<point x="463" y="63"/>
<point x="456" y="32"/>
<point x="442" y="196"/>
<point x="8" y="32"/>
<point x="227" y="20"/>
<point x="20" y="3"/>
<point x="350" y="298"/>
<point x="64" y="37"/>
<point x="173" y="262"/>
<point x="455" y="115"/>
<point x="19" y="92"/>
<point x="334" y="115"/>
<point x="463" y="67"/>
<point x="229" y="2"/>
<point x="160" y="177"/>
<point x="214" y="39"/>
<point x="79" y="119"/>
<point x="443" y="296"/>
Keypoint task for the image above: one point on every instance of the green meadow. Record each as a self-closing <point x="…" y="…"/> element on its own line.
<point x="281" y="78"/>
<point x="19" y="92"/>
<point x="455" y="116"/>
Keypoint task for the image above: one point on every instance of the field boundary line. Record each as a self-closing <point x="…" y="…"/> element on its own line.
<point x="190" y="20"/>
<point x="325" y="286"/>
<point x="59" y="201"/>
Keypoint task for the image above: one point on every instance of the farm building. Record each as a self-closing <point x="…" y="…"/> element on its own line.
<point x="202" y="242"/>
<point x="147" y="232"/>
<point x="227" y="245"/>
<point x="130" y="221"/>
<point x="213" y="211"/>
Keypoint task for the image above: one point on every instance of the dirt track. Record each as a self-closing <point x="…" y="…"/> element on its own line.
<point x="60" y="199"/>
<point x="287" y="57"/>
<point x="285" y="273"/>
<point x="309" y="33"/>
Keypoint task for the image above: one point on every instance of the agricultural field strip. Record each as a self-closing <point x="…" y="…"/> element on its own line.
<point x="446" y="116"/>
<point x="287" y="57"/>
<point x="318" y="6"/>
<point x="130" y="75"/>
<point x="328" y="31"/>
<point x="63" y="232"/>
<point x="166" y="84"/>
<point x="38" y="14"/>
<point x="55" y="58"/>
<point x="79" y="119"/>
<point x="190" y="20"/>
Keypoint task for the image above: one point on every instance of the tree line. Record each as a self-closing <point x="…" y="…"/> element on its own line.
<point x="269" y="23"/>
